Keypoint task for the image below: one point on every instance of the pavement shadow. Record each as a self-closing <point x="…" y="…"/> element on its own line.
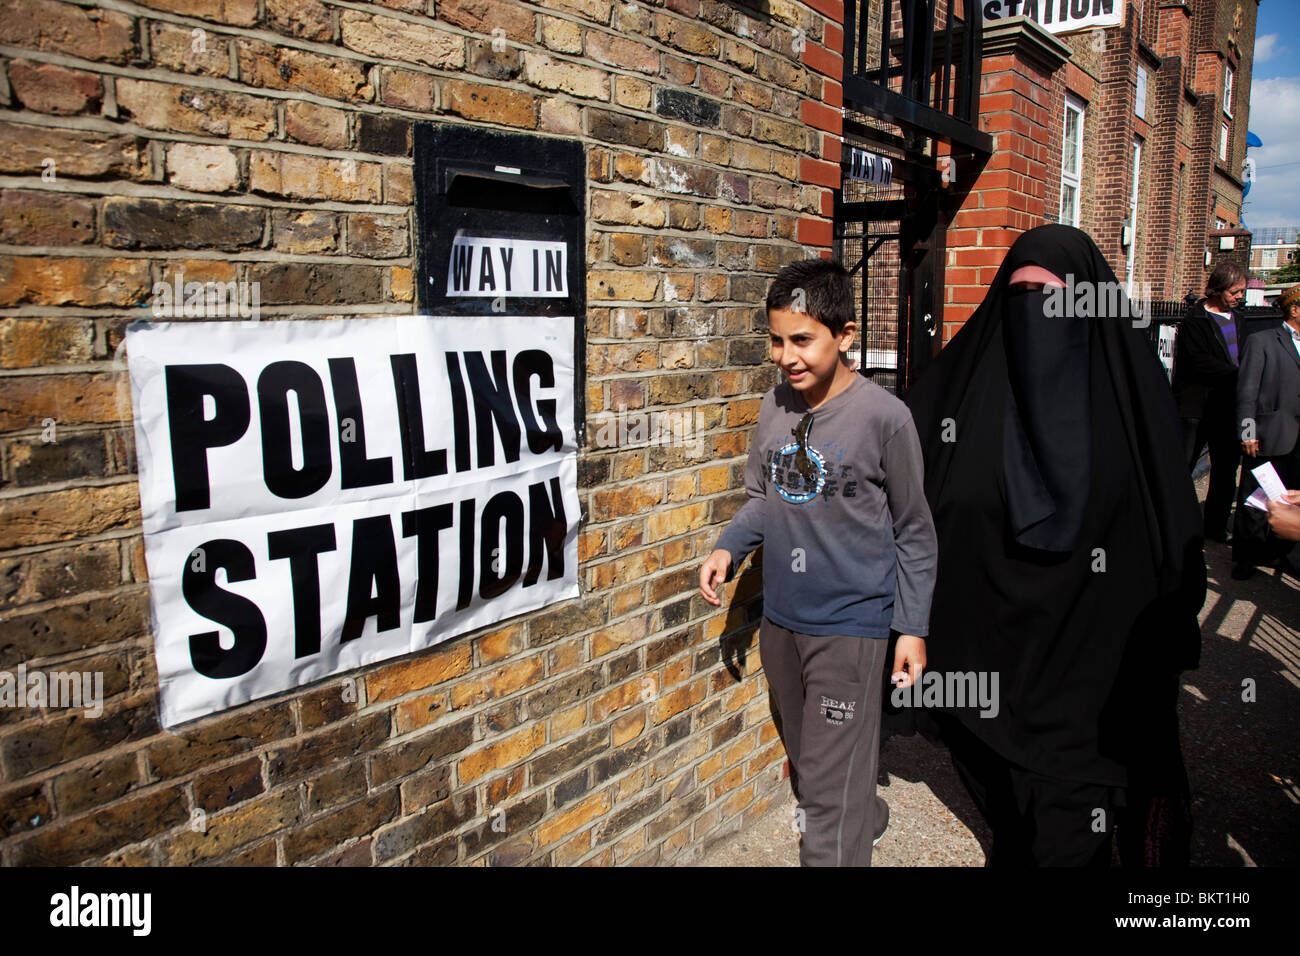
<point x="1240" y="719"/>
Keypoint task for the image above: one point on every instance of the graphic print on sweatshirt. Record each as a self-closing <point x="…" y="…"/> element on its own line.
<point x="818" y="473"/>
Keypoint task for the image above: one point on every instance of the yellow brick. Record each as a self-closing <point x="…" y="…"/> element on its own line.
<point x="715" y="149"/>
<point x="630" y="785"/>
<point x="675" y="843"/>
<point x="568" y="721"/>
<point x="590" y="544"/>
<point x="738" y="801"/>
<point x="502" y="643"/>
<point x="676" y="672"/>
<point x="548" y="74"/>
<point x="740" y="749"/>
<point x="681" y="487"/>
<point x="571" y="851"/>
<point x="677" y="355"/>
<point x="672" y="704"/>
<point x="564" y="36"/>
<point x="678" y="551"/>
<point x="709" y="767"/>
<point x="566" y="656"/>
<point x="665" y="524"/>
<point x="561" y="826"/>
<point x="623" y="696"/>
<point x="717" y="219"/>
<point x="743" y="412"/>
<point x="605" y="285"/>
<point x="614" y="636"/>
<point x="714" y="479"/>
<point x="627" y="501"/>
<point x="420" y="711"/>
<point x="628" y="727"/>
<point x="680" y="287"/>
<point x="629" y="846"/>
<point x="741" y="696"/>
<point x="501" y="754"/>
<point x="625" y="599"/>
<point x="315" y="177"/>
<point x="633" y="93"/>
<point x="628" y="535"/>
<point x="406" y="676"/>
<point x="500" y="683"/>
<point x="681" y="142"/>
<point x="400" y="283"/>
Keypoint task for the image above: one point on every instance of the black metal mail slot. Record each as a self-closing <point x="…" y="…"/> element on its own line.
<point x="493" y="188"/>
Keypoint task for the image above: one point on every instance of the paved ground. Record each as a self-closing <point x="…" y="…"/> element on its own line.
<point x="1240" y="718"/>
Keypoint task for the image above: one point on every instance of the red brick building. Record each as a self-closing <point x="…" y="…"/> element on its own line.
<point x="1135" y="132"/>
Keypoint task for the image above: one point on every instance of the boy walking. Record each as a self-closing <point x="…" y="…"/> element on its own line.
<point x="836" y="498"/>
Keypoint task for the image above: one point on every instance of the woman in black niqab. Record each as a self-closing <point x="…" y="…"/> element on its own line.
<point x="1070" y="563"/>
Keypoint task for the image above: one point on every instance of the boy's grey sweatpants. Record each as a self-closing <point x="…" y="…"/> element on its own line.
<point x="827" y="696"/>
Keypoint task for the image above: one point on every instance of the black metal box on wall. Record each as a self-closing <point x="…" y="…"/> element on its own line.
<point x="500" y="225"/>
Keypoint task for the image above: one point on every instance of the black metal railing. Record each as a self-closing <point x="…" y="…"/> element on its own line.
<point x="917" y="63"/>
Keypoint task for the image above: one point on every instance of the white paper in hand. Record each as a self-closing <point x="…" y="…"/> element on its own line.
<point x="1258" y="499"/>
<point x="1269" y="481"/>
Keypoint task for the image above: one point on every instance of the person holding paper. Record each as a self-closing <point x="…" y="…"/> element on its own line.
<point x="1284" y="516"/>
<point x="1268" y="413"/>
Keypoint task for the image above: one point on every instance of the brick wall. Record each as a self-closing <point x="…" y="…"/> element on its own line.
<point x="270" y="141"/>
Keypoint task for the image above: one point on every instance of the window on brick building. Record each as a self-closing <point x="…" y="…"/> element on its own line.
<point x="1224" y="135"/>
<point x="1071" y="161"/>
<point x="1133" y="211"/>
<point x="1268" y="259"/>
<point x="1227" y="90"/>
<point x="1140" y="101"/>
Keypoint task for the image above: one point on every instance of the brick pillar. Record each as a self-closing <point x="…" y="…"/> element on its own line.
<point x="1010" y="195"/>
<point x="822" y="175"/>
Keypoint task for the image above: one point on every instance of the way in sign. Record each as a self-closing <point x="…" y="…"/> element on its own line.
<point x="520" y="267"/>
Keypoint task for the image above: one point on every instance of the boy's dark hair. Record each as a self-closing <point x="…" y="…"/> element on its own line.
<point x="820" y="287"/>
<point x="1226" y="274"/>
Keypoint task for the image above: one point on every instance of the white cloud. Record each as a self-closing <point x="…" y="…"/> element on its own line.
<point x="1274" y="198"/>
<point x="1266" y="48"/>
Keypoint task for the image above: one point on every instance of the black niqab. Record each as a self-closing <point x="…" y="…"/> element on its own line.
<point x="1069" y="536"/>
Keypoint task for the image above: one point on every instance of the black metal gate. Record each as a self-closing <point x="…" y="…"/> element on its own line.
<point x="912" y="70"/>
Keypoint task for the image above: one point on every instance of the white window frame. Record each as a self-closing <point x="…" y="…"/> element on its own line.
<point x="1225" y="133"/>
<point x="1140" y="99"/>
<point x="1133" y="209"/>
<point x="1227" y="91"/>
<point x="1072" y="179"/>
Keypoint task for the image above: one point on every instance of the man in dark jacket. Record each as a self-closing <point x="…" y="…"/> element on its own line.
<point x="1205" y="388"/>
<point x="1268" y="403"/>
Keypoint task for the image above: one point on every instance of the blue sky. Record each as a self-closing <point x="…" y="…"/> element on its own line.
<point x="1274" y="198"/>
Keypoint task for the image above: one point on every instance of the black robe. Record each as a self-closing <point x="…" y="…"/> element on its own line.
<point x="1069" y="535"/>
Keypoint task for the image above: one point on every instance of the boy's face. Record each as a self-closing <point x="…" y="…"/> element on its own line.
<point x="808" y="354"/>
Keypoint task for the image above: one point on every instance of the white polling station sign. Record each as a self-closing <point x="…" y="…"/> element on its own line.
<point x="318" y="496"/>
<point x="1059" y="16"/>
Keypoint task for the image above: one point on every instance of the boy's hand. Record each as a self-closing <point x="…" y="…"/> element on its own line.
<point x="909" y="660"/>
<point x="713" y="569"/>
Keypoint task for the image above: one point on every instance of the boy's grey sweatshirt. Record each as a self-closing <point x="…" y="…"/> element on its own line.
<point x="858" y="555"/>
